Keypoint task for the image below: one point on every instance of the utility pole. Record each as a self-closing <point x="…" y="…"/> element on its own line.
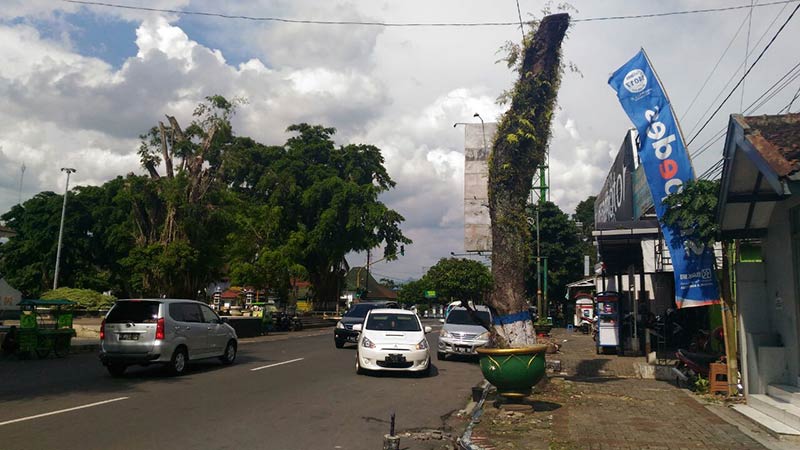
<point x="366" y="282"/>
<point x="21" y="177"/>
<point x="543" y="196"/>
<point x="61" y="229"/>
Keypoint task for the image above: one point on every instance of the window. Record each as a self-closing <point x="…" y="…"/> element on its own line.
<point x="133" y="311"/>
<point x="209" y="316"/>
<point x="359" y="310"/>
<point x="393" y="322"/>
<point x="462" y="317"/>
<point x="185" y="312"/>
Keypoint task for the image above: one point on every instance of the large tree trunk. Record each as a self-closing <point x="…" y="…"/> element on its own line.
<point x="521" y="142"/>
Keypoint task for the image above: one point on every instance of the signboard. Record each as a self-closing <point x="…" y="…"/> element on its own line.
<point x="614" y="203"/>
<point x="667" y="167"/>
<point x="477" y="224"/>
<point x="9" y="297"/>
<point x="430" y="294"/>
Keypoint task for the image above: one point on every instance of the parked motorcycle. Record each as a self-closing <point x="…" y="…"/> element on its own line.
<point x="694" y="364"/>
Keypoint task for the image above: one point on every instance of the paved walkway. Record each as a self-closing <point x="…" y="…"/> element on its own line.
<point x="593" y="407"/>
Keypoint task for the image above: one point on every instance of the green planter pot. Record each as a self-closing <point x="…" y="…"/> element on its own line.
<point x="513" y="371"/>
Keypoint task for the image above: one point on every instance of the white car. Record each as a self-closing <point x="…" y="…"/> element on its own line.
<point x="392" y="340"/>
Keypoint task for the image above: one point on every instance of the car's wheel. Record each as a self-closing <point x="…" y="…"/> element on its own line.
<point x="339" y="343"/>
<point x="177" y="364"/>
<point x="229" y="356"/>
<point x="116" y="370"/>
<point x="441" y="356"/>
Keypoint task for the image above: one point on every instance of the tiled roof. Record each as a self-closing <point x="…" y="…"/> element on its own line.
<point x="777" y="139"/>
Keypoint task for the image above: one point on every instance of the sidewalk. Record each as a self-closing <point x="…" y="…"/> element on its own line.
<point x="597" y="403"/>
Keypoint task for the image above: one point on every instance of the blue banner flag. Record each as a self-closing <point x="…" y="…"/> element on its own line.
<point x="667" y="168"/>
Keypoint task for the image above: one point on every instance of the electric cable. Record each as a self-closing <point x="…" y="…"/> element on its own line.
<point x="407" y="24"/>
<point x="788" y="108"/>
<point x="735" y="72"/>
<point x="764" y="98"/>
<point x="741" y="80"/>
<point x="710" y="74"/>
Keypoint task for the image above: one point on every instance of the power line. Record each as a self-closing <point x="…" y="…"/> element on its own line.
<point x="735" y="72"/>
<point x="741" y="80"/>
<point x="788" y="108"/>
<point x="764" y="98"/>
<point x="710" y="74"/>
<point x="408" y="24"/>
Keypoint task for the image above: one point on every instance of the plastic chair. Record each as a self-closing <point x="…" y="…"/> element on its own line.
<point x="718" y="378"/>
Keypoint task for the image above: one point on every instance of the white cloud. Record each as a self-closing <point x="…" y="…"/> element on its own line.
<point x="401" y="89"/>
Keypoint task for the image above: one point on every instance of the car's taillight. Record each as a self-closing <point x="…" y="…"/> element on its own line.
<point x="160" y="328"/>
<point x="103" y="329"/>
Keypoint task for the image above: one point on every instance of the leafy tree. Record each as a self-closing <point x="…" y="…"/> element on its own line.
<point x="584" y="214"/>
<point x="522" y="139"/>
<point x="459" y="279"/>
<point x="179" y="219"/>
<point x="85" y="298"/>
<point x="318" y="203"/>
<point x="694" y="211"/>
<point x="412" y="292"/>
<point x="560" y="242"/>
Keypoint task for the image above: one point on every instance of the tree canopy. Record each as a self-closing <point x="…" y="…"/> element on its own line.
<point x="212" y="205"/>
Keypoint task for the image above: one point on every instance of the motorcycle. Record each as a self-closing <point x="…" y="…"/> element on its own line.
<point x="694" y="364"/>
<point x="285" y="322"/>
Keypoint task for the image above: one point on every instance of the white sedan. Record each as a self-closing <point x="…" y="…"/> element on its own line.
<point x="394" y="340"/>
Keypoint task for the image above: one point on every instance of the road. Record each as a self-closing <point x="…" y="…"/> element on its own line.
<point x="305" y="394"/>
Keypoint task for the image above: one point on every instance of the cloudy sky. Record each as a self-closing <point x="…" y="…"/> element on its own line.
<point x="79" y="83"/>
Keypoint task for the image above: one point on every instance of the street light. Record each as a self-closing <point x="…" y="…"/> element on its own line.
<point x="61" y="229"/>
<point x="483" y="129"/>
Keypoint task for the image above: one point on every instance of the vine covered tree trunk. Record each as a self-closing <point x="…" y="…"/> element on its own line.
<point x="520" y="145"/>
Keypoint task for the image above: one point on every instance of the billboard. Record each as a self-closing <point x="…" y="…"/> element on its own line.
<point x="614" y="203"/>
<point x="667" y="168"/>
<point x="477" y="223"/>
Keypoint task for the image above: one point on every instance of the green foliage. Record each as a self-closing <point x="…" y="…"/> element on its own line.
<point x="560" y="242"/>
<point x="701" y="385"/>
<point x="85" y="298"/>
<point x="693" y="211"/>
<point x="225" y="205"/>
<point x="412" y="292"/>
<point x="459" y="279"/>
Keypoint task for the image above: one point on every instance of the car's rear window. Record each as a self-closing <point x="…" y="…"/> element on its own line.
<point x="359" y="310"/>
<point x="393" y="322"/>
<point x="136" y="312"/>
<point x="462" y="317"/>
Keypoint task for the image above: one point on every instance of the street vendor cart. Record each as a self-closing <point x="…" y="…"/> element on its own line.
<point x="44" y="327"/>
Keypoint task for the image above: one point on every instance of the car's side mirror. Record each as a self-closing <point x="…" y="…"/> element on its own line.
<point x="441" y="320"/>
<point x="223" y="320"/>
<point x="357" y="327"/>
<point x="429" y="329"/>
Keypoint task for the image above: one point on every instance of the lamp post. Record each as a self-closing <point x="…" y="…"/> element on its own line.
<point x="483" y="130"/>
<point x="61" y="229"/>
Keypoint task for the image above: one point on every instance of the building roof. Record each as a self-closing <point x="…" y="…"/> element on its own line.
<point x="761" y="165"/>
<point x="777" y="139"/>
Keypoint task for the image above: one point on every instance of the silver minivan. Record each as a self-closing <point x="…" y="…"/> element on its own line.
<point x="163" y="331"/>
<point x="461" y="334"/>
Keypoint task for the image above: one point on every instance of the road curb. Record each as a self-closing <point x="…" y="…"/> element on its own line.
<point x="465" y="441"/>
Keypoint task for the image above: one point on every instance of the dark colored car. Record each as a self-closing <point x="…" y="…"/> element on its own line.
<point x="355" y="315"/>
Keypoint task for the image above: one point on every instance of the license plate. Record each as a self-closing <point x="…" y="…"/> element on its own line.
<point x="462" y="349"/>
<point x="129" y="336"/>
<point x="395" y="358"/>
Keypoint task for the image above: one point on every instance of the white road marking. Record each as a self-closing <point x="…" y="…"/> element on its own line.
<point x="22" y="419"/>
<point x="277" y="364"/>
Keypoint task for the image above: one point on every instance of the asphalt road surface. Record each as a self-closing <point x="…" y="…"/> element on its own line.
<point x="297" y="393"/>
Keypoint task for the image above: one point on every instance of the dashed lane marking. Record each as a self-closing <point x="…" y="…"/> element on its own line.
<point x="277" y="364"/>
<point x="60" y="411"/>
